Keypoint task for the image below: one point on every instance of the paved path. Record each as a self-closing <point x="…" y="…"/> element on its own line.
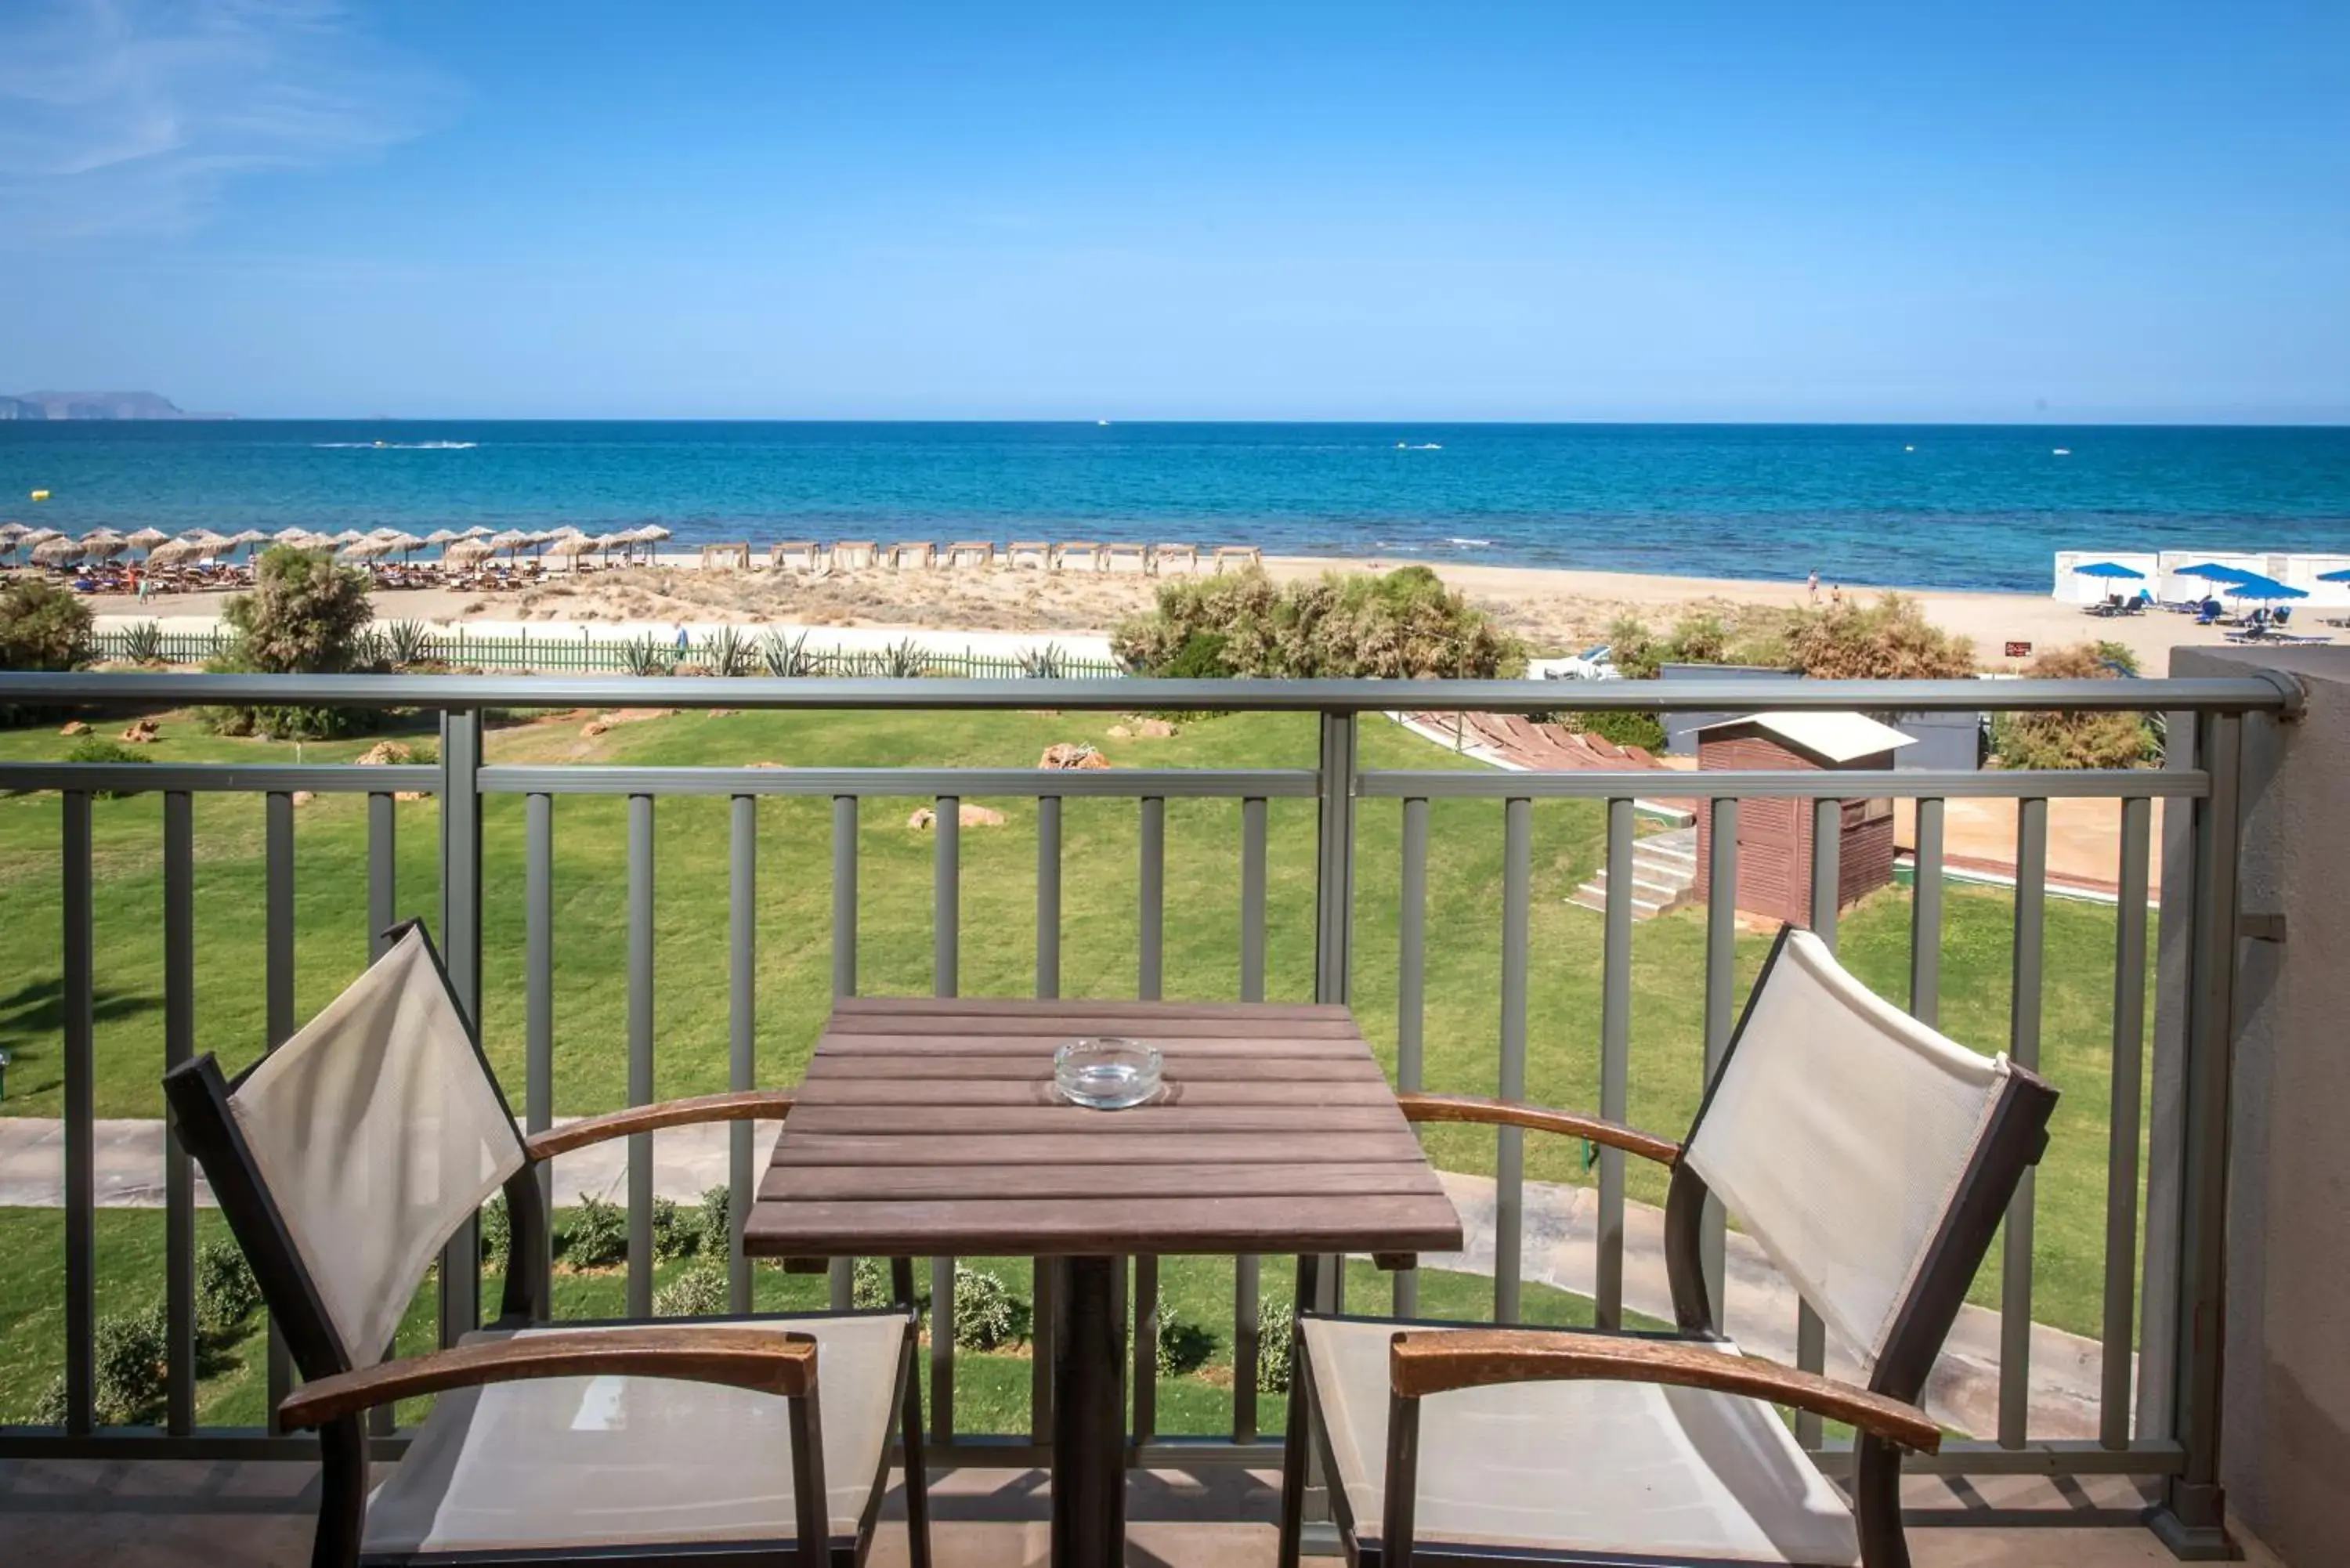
<point x="1561" y="1225"/>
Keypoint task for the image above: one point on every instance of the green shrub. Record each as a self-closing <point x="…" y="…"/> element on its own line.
<point x="985" y="1316"/>
<point x="98" y="749"/>
<point x="649" y="655"/>
<point x="869" y="1285"/>
<point x="714" y="1233"/>
<point x="1623" y="726"/>
<point x="1182" y="1346"/>
<point x="496" y="1233"/>
<point x="1889" y="638"/>
<point x="2073" y="739"/>
<point x="142" y="642"/>
<point x="43" y="626"/>
<point x="1045" y="663"/>
<point x="404" y="642"/>
<point x="226" y="1291"/>
<point x="596" y="1234"/>
<point x="127" y="1367"/>
<point x="903" y="661"/>
<point x="305" y="616"/>
<point x="1404" y="623"/>
<point x="699" y="1292"/>
<point x="673" y="1234"/>
<point x="1272" y="1345"/>
<point x="787" y="658"/>
<point x="728" y="652"/>
<point x="49" y="1405"/>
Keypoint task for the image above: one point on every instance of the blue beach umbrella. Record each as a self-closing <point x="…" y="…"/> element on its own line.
<point x="2341" y="577"/>
<point x="2213" y="572"/>
<point x="2255" y="586"/>
<point x="2106" y="569"/>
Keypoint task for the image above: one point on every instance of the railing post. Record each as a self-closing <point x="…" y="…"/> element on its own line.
<point x="2191" y="1519"/>
<point x="1334" y="882"/>
<point x="461" y="952"/>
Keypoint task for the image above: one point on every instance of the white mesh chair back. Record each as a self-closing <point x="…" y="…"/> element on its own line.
<point x="1838" y="1133"/>
<point x="376" y="1131"/>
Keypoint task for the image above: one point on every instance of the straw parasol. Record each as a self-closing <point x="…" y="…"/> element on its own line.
<point x="172" y="552"/>
<point x="366" y="549"/>
<point x="291" y="536"/>
<point x="478" y="531"/>
<point x="442" y="536"/>
<point x="104" y="543"/>
<point x="56" y="552"/>
<point x="513" y="539"/>
<point x="464" y="551"/>
<point x="147" y="539"/>
<point x="574" y="547"/>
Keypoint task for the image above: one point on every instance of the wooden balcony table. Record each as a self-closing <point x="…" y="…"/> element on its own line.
<point x="930" y="1128"/>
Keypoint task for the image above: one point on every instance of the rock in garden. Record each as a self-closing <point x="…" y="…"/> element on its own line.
<point x="593" y="728"/>
<point x="141" y="733"/>
<point x="1154" y="729"/>
<point x="1120" y="733"/>
<point x="75" y="728"/>
<point x="923" y="816"/>
<point x="1071" y="754"/>
<point x="979" y="816"/>
<point x="384" y="754"/>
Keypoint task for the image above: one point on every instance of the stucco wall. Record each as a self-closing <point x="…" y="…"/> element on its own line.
<point x="2285" y="1422"/>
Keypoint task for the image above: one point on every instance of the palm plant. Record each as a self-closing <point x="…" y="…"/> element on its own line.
<point x="1045" y="663"/>
<point x="648" y="656"/>
<point x="787" y="658"/>
<point x="729" y="652"/>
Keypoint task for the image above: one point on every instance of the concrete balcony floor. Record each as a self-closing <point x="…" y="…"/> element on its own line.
<point x="186" y="1513"/>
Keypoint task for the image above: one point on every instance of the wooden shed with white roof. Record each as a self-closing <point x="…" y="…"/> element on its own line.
<point x="1774" y="836"/>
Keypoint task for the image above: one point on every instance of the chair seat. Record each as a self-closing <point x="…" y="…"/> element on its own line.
<point x="570" y="1463"/>
<point x="1620" y="1472"/>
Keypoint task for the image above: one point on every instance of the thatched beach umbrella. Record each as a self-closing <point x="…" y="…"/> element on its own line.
<point x="442" y="536"/>
<point x="147" y="539"/>
<point x="512" y="541"/>
<point x="573" y="548"/>
<point x="478" y="531"/>
<point x="104" y="543"/>
<point x="56" y="552"/>
<point x="465" y="552"/>
<point x="172" y="552"/>
<point x="366" y="549"/>
<point x="291" y="536"/>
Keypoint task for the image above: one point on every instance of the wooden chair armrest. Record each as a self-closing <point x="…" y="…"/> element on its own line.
<point x="742" y="1105"/>
<point x="761" y="1360"/>
<point x="1540" y="1118"/>
<point x="1423" y="1364"/>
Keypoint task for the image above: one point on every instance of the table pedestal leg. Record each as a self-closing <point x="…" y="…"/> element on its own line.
<point x="1088" y="1415"/>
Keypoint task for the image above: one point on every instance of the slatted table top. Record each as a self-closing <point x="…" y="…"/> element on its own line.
<point x="930" y="1126"/>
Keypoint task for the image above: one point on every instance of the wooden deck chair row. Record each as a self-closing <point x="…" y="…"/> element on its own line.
<point x="1871" y="1158"/>
<point x="345" y="1160"/>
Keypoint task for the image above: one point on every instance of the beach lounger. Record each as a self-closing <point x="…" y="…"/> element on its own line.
<point x="1033" y="554"/>
<point x="971" y="554"/>
<point x="914" y="555"/>
<point x="1133" y="558"/>
<point x="1238" y="555"/>
<point x="1164" y="558"/>
<point x="1078" y="556"/>
<point x="854" y="555"/>
<point x="795" y="556"/>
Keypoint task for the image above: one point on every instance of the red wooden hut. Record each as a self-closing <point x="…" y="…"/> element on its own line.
<point x="1774" y="836"/>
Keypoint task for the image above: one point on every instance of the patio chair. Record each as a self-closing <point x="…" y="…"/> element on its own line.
<point x="1870" y="1158"/>
<point x="345" y="1160"/>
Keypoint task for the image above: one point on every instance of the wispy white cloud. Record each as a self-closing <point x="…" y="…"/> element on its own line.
<point x="132" y="117"/>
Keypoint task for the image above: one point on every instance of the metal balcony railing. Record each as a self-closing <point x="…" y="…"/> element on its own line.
<point x="2158" y="1399"/>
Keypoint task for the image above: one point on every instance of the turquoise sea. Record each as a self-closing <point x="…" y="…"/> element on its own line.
<point x="1931" y="506"/>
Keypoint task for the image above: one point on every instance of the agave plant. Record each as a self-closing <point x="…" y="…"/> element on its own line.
<point x="142" y="642"/>
<point x="1045" y="663"/>
<point x="904" y="660"/>
<point x="404" y="642"/>
<point x="649" y="655"/>
<point x="787" y="658"/>
<point x="728" y="652"/>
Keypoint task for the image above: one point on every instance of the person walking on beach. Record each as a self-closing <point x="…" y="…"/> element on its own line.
<point x="1812" y="585"/>
<point x="1836" y="597"/>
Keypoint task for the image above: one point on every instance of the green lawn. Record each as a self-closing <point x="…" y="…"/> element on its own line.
<point x="997" y="919"/>
<point x="991" y="1387"/>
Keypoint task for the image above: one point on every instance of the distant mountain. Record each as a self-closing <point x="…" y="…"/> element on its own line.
<point x="95" y="406"/>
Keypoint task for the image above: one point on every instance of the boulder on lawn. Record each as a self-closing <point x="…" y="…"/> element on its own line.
<point x="1153" y="730"/>
<point x="384" y="754"/>
<point x="76" y="727"/>
<point x="141" y="733"/>
<point x="967" y="815"/>
<point x="593" y="728"/>
<point x="1067" y="754"/>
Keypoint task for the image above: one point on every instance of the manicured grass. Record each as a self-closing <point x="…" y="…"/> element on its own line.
<point x="991" y="1387"/>
<point x="1100" y="930"/>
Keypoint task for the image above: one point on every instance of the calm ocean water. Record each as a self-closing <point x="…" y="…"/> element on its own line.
<point x="1947" y="506"/>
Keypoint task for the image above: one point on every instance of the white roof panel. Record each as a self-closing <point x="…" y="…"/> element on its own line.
<point x="1839" y="737"/>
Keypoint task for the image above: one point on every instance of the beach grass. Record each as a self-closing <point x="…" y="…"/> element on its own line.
<point x="1101" y="929"/>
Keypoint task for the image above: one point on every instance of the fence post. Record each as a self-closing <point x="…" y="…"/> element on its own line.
<point x="2191" y="1519"/>
<point x="461" y="952"/>
<point x="1334" y="881"/>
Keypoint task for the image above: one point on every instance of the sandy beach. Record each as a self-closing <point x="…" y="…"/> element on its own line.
<point x="1555" y="611"/>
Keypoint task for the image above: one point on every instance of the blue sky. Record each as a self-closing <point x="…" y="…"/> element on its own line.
<point x="1555" y="210"/>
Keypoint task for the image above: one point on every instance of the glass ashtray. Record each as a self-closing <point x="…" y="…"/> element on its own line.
<point x="1105" y="1074"/>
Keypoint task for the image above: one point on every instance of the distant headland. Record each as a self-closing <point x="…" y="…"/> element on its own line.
<point x="95" y="406"/>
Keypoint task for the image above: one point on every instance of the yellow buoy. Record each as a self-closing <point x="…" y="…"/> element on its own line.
<point x="40" y="495"/>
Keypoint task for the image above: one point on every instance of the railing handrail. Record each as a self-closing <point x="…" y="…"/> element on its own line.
<point x="2266" y="693"/>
